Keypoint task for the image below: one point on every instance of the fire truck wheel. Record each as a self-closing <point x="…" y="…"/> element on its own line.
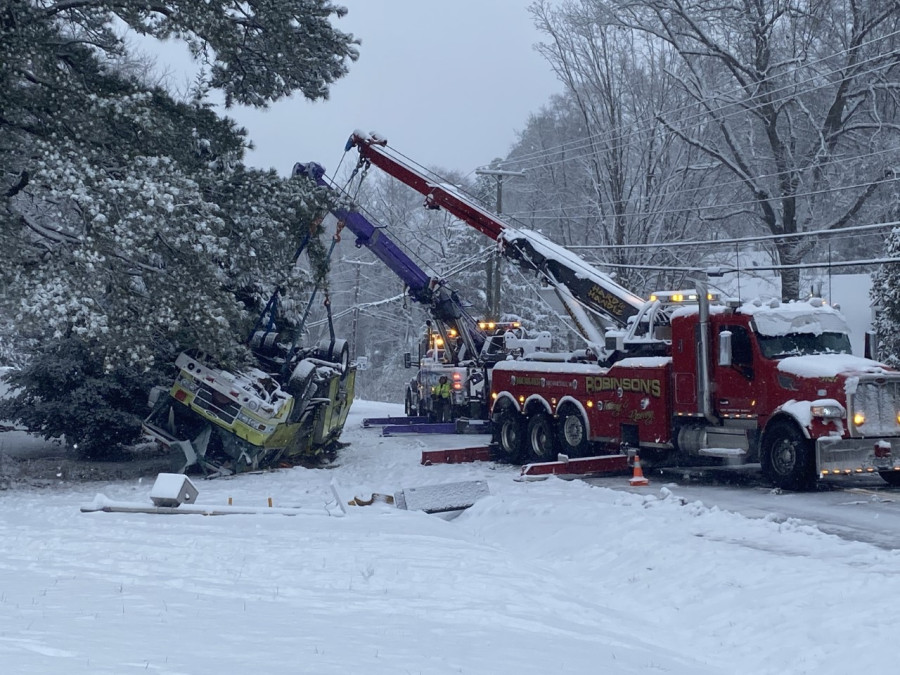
<point x="787" y="457"/>
<point x="511" y="435"/>
<point x="891" y="477"/>
<point x="301" y="386"/>
<point x="338" y="353"/>
<point x="573" y="438"/>
<point x="542" y="438"/>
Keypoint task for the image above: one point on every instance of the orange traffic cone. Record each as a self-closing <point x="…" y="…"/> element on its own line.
<point x="638" y="479"/>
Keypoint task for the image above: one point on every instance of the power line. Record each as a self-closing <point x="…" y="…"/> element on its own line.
<point x="587" y="141"/>
<point x="743" y="240"/>
<point x="720" y="270"/>
<point x="749" y="202"/>
<point x="842" y="159"/>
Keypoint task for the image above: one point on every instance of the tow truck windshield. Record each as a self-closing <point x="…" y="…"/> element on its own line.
<point x="801" y="344"/>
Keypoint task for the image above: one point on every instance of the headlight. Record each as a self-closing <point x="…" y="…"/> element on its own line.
<point x="827" y="410"/>
<point x="859" y="419"/>
<point x="256" y="425"/>
<point x="253" y="405"/>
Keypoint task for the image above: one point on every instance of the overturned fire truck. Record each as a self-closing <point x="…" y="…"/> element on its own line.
<point x="290" y="407"/>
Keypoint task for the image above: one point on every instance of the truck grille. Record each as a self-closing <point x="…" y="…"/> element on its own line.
<point x="879" y="400"/>
<point x="217" y="403"/>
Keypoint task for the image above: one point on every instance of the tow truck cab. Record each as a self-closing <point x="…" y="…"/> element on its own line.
<point x="785" y="389"/>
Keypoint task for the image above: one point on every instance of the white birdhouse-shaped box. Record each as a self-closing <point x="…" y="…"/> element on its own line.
<point x="173" y="489"/>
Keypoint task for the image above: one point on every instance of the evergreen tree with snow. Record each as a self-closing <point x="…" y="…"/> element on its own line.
<point x="886" y="300"/>
<point x="130" y="227"/>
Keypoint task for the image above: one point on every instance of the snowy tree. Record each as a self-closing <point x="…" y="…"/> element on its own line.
<point x="66" y="390"/>
<point x="793" y="103"/>
<point x="619" y="175"/>
<point x="121" y="202"/>
<point x="886" y="301"/>
<point x="130" y="227"/>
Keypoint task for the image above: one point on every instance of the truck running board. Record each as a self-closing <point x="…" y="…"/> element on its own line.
<point x="383" y="421"/>
<point x="481" y="453"/>
<point x="576" y="467"/>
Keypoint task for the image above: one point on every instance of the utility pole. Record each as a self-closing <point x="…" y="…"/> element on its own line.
<point x="492" y="267"/>
<point x="354" y="326"/>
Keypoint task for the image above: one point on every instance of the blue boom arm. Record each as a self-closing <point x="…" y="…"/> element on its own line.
<point x="444" y="304"/>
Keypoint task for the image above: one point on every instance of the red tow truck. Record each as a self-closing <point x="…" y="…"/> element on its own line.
<point x="680" y="378"/>
<point x="773" y="383"/>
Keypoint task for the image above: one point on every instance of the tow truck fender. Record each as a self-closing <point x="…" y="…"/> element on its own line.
<point x="784" y="412"/>
<point x="537" y="399"/>
<point x="505" y="398"/>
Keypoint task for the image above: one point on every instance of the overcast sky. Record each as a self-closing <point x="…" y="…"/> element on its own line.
<point x="447" y="83"/>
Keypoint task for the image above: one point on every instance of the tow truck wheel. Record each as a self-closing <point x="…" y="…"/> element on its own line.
<point x="409" y="404"/>
<point x="511" y="435"/>
<point x="891" y="477"/>
<point x="542" y="438"/>
<point x="787" y="457"/>
<point x="573" y="438"/>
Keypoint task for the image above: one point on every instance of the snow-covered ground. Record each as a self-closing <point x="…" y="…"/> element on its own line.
<point x="540" y="577"/>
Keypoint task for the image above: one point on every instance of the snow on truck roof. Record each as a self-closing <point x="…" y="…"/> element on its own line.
<point x="773" y="318"/>
<point x="813" y="317"/>
<point x="561" y="367"/>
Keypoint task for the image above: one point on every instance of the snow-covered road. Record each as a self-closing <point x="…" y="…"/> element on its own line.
<point x="865" y="510"/>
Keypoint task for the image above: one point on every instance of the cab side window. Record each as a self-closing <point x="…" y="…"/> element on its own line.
<point x="741" y="350"/>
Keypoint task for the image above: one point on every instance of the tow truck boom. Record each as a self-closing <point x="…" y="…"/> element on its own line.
<point x="443" y="303"/>
<point x="592" y="299"/>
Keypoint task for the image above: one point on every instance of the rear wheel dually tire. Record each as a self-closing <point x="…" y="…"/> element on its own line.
<point x="511" y="434"/>
<point x="409" y="409"/>
<point x="542" y="438"/>
<point x="572" y="433"/>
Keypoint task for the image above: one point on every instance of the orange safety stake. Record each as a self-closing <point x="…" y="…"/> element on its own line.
<point x="638" y="479"/>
